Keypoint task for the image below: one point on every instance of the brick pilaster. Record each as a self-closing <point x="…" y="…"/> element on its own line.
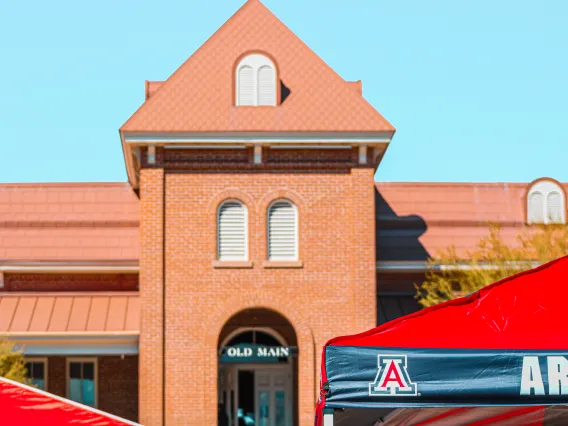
<point x="151" y="292"/>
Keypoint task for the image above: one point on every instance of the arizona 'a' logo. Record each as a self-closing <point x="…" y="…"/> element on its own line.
<point x="392" y="378"/>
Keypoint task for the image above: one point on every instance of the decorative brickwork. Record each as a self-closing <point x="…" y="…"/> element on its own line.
<point x="70" y="282"/>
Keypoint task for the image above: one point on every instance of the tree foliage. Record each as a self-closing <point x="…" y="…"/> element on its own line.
<point x="12" y="363"/>
<point x="492" y="259"/>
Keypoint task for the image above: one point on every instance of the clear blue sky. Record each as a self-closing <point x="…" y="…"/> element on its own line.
<point x="478" y="89"/>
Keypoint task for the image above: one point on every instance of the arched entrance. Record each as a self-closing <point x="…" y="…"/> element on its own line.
<point x="257" y="365"/>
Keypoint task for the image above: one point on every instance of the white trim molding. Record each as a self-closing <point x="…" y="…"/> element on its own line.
<point x="258" y="154"/>
<point x="362" y="154"/>
<point x="68" y="267"/>
<point x="419" y="266"/>
<point x="75" y="344"/>
<point x="132" y="142"/>
<point x="251" y="138"/>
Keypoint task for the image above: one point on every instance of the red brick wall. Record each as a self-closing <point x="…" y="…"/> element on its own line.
<point x="117" y="383"/>
<point x="333" y="293"/>
<point x="70" y="282"/>
<point x="118" y="386"/>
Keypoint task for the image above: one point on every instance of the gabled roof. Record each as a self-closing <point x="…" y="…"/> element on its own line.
<point x="199" y="96"/>
<point x="416" y="220"/>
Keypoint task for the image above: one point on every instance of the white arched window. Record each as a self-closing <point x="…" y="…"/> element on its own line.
<point x="256" y="81"/>
<point x="232" y="232"/>
<point x="282" y="231"/>
<point x="546" y="203"/>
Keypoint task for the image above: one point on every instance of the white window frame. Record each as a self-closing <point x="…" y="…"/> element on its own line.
<point x="218" y="231"/>
<point x="45" y="362"/>
<point x="296" y="231"/>
<point x="546" y="187"/>
<point x="256" y="61"/>
<point x="95" y="362"/>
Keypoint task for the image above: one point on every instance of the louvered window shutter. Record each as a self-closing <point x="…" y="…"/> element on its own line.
<point x="282" y="231"/>
<point x="535" y="208"/>
<point x="232" y="231"/>
<point x="245" y="90"/>
<point x="266" y="86"/>
<point x="555" y="205"/>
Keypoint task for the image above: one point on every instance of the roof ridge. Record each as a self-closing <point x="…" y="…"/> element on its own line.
<point x="63" y="184"/>
<point x="341" y="81"/>
<point x="103" y="293"/>
<point x="165" y="82"/>
<point x="457" y="183"/>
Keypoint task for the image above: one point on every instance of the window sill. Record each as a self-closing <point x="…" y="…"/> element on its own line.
<point x="232" y="264"/>
<point x="283" y="264"/>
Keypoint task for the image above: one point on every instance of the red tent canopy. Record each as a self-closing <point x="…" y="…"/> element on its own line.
<point x="23" y="405"/>
<point x="505" y="345"/>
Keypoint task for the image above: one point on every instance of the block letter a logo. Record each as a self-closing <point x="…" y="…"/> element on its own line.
<point x="392" y="378"/>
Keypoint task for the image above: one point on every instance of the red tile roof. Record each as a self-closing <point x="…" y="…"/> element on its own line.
<point x="198" y="97"/>
<point x="61" y="222"/>
<point x="70" y="313"/>
<point x="451" y="213"/>
<point x="99" y="222"/>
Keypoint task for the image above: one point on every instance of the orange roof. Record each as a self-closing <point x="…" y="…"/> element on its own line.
<point x="198" y="97"/>
<point x="69" y="313"/>
<point x="61" y="222"/>
<point x="417" y="220"/>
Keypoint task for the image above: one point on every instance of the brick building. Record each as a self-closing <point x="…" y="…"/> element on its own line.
<point x="198" y="289"/>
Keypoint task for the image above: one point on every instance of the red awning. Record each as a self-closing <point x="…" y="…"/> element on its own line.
<point x="23" y="405"/>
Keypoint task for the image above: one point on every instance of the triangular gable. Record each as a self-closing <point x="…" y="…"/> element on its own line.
<point x="199" y="96"/>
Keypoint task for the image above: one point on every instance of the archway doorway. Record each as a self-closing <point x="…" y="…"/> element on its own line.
<point x="257" y="370"/>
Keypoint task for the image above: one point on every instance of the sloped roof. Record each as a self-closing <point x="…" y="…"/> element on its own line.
<point x="68" y="221"/>
<point x="417" y="220"/>
<point x="199" y="96"/>
<point x="92" y="313"/>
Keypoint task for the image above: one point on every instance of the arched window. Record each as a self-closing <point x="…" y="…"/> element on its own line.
<point x="232" y="233"/>
<point x="282" y="231"/>
<point x="546" y="203"/>
<point x="246" y="85"/>
<point x="536" y="207"/>
<point x="555" y="205"/>
<point x="256" y="81"/>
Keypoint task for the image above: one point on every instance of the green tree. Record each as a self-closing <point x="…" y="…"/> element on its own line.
<point x="492" y="259"/>
<point x="12" y="364"/>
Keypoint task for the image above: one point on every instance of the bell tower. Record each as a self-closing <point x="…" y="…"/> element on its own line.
<point x="254" y="164"/>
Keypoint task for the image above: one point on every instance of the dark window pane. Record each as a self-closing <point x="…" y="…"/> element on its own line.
<point x="75" y="370"/>
<point x="245" y="337"/>
<point x="39" y="370"/>
<point x="89" y="371"/>
<point x="266" y="339"/>
<point x="29" y="369"/>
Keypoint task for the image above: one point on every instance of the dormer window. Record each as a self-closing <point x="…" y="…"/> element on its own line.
<point x="256" y="81"/>
<point x="546" y="203"/>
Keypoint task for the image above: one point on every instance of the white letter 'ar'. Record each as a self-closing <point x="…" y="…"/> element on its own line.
<point x="557" y="375"/>
<point x="531" y="377"/>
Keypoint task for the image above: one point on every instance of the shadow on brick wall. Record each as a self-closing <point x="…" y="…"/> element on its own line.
<point x="398" y="239"/>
